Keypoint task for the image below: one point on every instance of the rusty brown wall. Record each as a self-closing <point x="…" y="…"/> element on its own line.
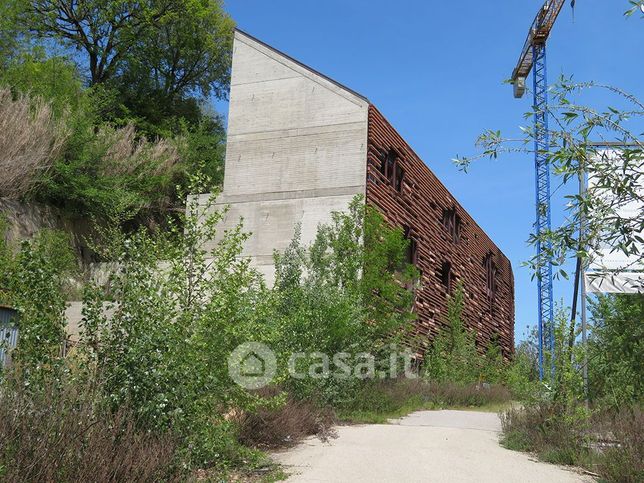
<point x="420" y="206"/>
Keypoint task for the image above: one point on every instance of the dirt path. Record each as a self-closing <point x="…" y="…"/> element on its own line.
<point x="440" y="446"/>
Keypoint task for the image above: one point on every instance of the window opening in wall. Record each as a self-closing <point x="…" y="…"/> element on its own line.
<point x="392" y="170"/>
<point x="390" y="165"/>
<point x="452" y="223"/>
<point x="400" y="175"/>
<point x="490" y="275"/>
<point x="446" y="276"/>
<point x="383" y="163"/>
<point x="412" y="247"/>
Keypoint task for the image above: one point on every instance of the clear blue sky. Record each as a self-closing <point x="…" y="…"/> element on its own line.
<point x="435" y="70"/>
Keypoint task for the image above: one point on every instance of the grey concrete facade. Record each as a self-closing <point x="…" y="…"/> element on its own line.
<point x="296" y="150"/>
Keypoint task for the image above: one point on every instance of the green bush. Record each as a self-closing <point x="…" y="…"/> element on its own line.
<point x="454" y="357"/>
<point x="347" y="292"/>
<point x="54" y="79"/>
<point x="554" y="422"/>
<point x="176" y="311"/>
<point x="616" y="350"/>
<point x="111" y="164"/>
<point x="608" y="443"/>
<point x="522" y="373"/>
<point x="34" y="281"/>
<point x="622" y="461"/>
<point x="156" y="338"/>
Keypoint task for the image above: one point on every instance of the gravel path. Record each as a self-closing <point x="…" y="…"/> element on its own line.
<point x="427" y="446"/>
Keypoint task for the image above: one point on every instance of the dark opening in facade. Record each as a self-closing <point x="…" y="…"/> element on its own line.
<point x="445" y="274"/>
<point x="411" y="255"/>
<point x="390" y="165"/>
<point x="392" y="170"/>
<point x="398" y="180"/>
<point x="490" y="275"/>
<point x="452" y="223"/>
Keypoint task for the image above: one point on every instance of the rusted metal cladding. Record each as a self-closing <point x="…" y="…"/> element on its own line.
<point x="420" y="204"/>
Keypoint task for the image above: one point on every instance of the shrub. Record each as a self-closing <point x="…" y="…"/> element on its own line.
<point x="83" y="150"/>
<point x="544" y="429"/>
<point x="347" y="292"/>
<point x="177" y="310"/>
<point x="107" y="172"/>
<point x="522" y="373"/>
<point x="606" y="442"/>
<point x="56" y="80"/>
<point x="203" y="147"/>
<point x="284" y="425"/>
<point x="616" y="350"/>
<point x="34" y="281"/>
<point x="453" y="355"/>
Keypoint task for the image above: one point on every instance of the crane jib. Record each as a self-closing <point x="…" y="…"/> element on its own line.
<point x="538" y="34"/>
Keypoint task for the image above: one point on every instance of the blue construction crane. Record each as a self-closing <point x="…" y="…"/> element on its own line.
<point x="533" y="57"/>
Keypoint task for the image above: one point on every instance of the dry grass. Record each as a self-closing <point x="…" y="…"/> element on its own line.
<point x="377" y="402"/>
<point x="609" y="444"/>
<point x="541" y="428"/>
<point x="128" y="154"/>
<point x="61" y="435"/>
<point x="30" y="140"/>
<point x="622" y="457"/>
<point x="285" y="425"/>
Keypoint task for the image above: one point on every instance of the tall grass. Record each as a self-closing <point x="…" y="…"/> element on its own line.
<point x="60" y="433"/>
<point x="608" y="443"/>
<point x="378" y="401"/>
<point x="30" y="140"/>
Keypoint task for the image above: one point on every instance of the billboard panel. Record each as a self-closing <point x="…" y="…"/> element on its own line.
<point x="612" y="270"/>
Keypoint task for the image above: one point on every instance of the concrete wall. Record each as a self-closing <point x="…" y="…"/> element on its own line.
<point x="296" y="150"/>
<point x="26" y="219"/>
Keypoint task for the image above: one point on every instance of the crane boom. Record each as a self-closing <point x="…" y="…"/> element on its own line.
<point x="538" y="34"/>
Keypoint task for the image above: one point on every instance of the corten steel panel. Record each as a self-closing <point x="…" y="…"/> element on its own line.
<point x="420" y="206"/>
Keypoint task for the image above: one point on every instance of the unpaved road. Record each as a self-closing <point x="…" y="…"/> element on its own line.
<point x="440" y="446"/>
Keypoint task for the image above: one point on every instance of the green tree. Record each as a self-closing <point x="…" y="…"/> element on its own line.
<point x="34" y="280"/>
<point x="54" y="79"/>
<point x="637" y="5"/>
<point x="159" y="335"/>
<point x="12" y="36"/>
<point x="453" y="356"/>
<point x="617" y="173"/>
<point x="616" y="349"/>
<point x="173" y="46"/>
<point x="350" y="291"/>
<point x="189" y="52"/>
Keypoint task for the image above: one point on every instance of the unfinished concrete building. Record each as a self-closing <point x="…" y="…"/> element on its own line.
<point x="301" y="146"/>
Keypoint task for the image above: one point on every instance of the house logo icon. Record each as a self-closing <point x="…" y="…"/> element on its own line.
<point x="252" y="365"/>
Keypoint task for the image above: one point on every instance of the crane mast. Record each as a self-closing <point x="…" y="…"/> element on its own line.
<point x="533" y="57"/>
